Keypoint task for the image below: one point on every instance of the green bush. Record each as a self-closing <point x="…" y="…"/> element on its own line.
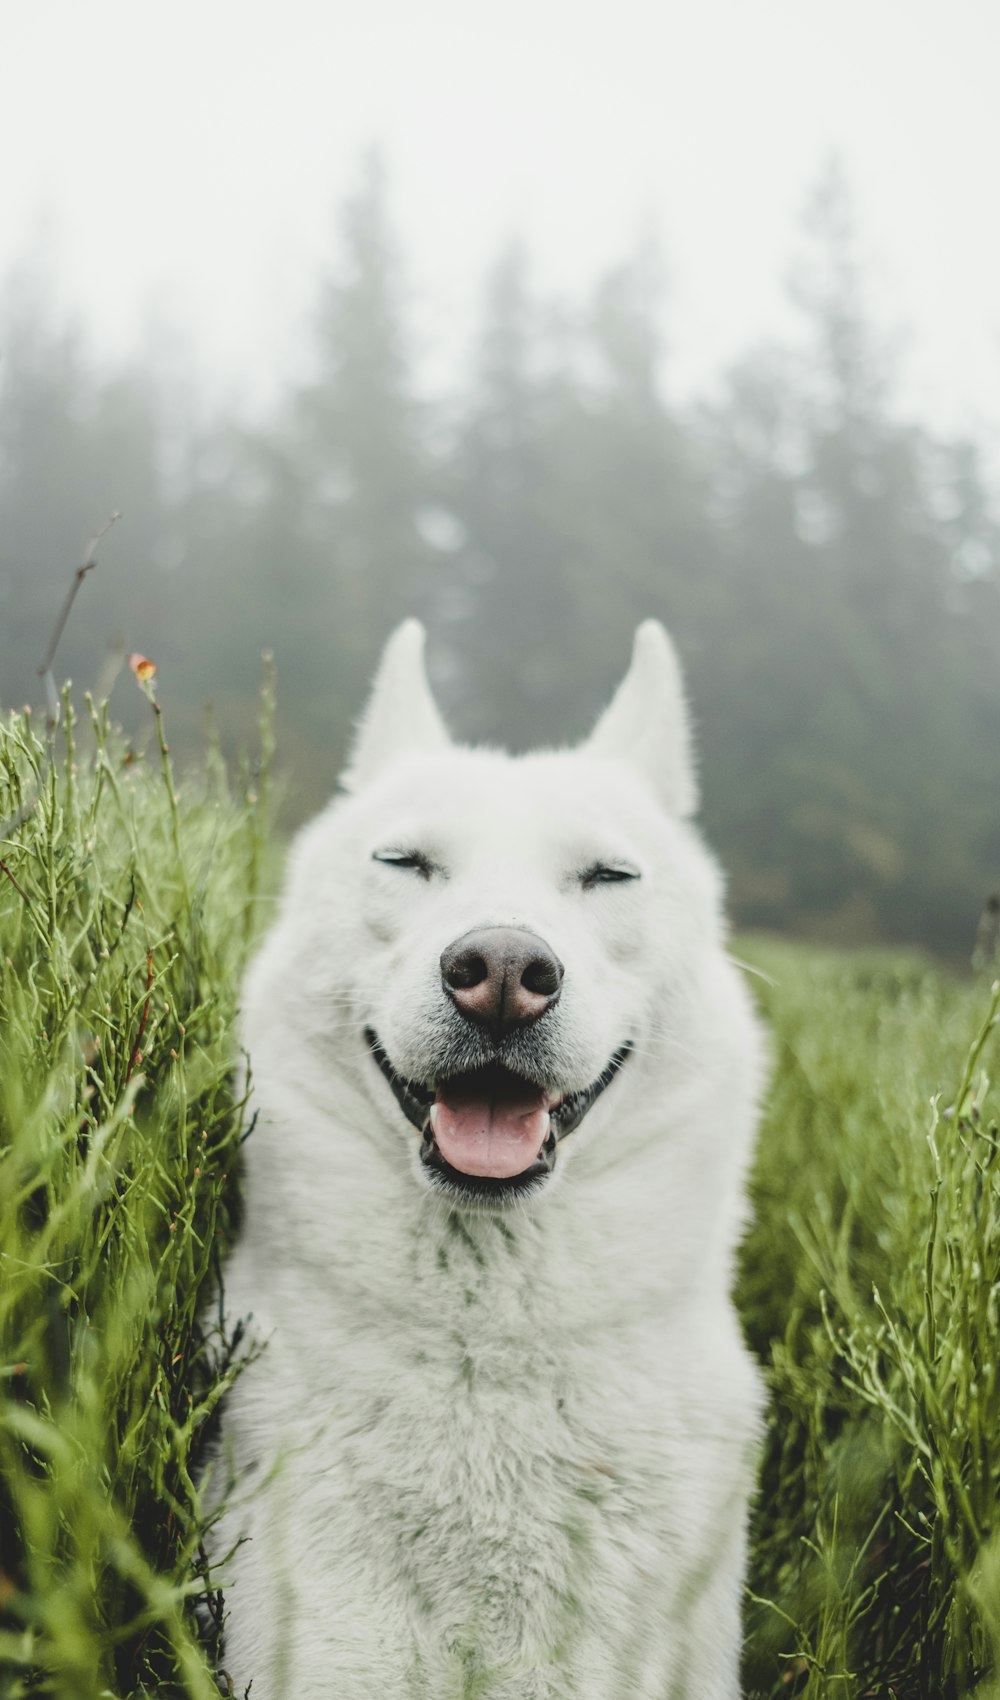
<point x="126" y="912"/>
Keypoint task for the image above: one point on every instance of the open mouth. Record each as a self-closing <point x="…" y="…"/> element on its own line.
<point x="489" y="1133"/>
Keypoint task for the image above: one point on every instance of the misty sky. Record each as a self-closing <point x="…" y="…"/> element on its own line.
<point x="184" y="162"/>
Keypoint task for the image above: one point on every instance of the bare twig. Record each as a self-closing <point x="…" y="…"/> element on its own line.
<point x="86" y="566"/>
<point x="19" y="889"/>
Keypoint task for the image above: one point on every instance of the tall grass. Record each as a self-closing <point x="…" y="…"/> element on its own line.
<point x="126" y="910"/>
<point x="869" y="1288"/>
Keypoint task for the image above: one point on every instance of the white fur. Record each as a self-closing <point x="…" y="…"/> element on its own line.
<point x="496" y="1452"/>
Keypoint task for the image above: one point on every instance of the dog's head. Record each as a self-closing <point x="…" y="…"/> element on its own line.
<point x="499" y="952"/>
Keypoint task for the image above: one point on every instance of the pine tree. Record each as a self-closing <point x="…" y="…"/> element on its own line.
<point x="857" y="714"/>
<point x="508" y="617"/>
<point x="310" y="543"/>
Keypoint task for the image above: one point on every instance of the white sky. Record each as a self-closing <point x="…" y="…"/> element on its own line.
<point x="188" y="158"/>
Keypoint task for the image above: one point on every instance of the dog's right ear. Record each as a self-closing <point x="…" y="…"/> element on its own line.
<point x="647" y="722"/>
<point x="401" y="717"/>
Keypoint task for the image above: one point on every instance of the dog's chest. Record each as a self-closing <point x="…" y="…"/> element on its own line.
<point x="500" y="1458"/>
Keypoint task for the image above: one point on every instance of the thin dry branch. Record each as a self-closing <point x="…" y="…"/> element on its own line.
<point x="18" y="888"/>
<point x="87" y="565"/>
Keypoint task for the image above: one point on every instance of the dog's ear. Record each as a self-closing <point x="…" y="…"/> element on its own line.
<point x="647" y="723"/>
<point x="401" y="717"/>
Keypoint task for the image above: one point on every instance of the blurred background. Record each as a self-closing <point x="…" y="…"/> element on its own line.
<point x="533" y="320"/>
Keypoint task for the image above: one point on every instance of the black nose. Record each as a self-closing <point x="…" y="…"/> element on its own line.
<point x="501" y="977"/>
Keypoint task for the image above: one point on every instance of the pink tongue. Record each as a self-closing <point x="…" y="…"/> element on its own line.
<point x="487" y="1136"/>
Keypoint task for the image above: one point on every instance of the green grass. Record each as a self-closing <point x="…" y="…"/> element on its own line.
<point x="868" y="1280"/>
<point x="125" y="917"/>
<point x="869" y="1289"/>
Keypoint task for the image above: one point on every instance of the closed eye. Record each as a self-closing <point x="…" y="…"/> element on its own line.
<point x="608" y="873"/>
<point x="413" y="861"/>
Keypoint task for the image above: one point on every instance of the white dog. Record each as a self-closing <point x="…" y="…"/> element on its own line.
<point x="501" y="1440"/>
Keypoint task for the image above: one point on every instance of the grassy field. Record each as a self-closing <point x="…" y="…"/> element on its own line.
<point x="125" y="916"/>
<point x="868" y="1282"/>
<point x="868" y="1288"/>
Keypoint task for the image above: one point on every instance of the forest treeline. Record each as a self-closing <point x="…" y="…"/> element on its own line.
<point x="830" y="569"/>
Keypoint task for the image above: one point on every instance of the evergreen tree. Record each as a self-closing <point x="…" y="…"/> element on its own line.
<point x="857" y="709"/>
<point x="507" y="623"/>
<point x="583" y="507"/>
<point x="312" y="533"/>
<point x="358" y="425"/>
<point x="640" y="500"/>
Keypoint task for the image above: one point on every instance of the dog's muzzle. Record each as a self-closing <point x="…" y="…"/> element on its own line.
<point x="489" y="1133"/>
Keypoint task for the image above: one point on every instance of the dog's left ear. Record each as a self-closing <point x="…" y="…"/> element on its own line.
<point x="401" y="717"/>
<point x="647" y="722"/>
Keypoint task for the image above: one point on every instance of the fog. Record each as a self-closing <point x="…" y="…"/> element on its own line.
<point x="532" y="321"/>
<point x="187" y="167"/>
